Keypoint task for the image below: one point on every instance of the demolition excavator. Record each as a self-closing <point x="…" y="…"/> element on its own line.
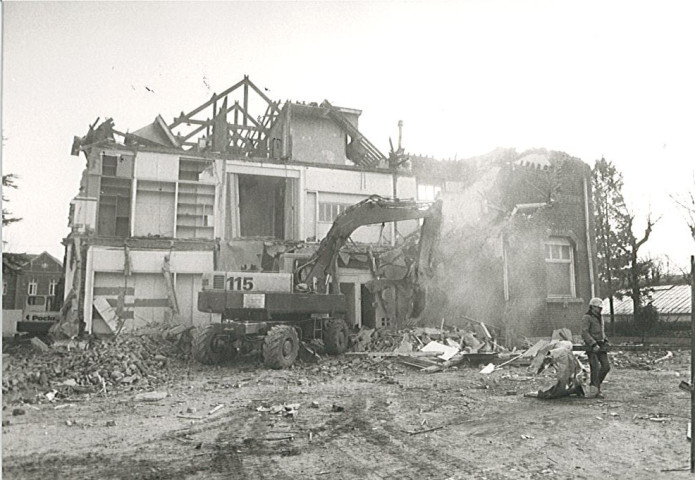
<point x="276" y="310"/>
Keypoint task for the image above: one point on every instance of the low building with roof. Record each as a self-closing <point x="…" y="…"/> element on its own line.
<point x="673" y="302"/>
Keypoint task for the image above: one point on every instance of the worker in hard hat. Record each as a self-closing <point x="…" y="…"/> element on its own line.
<point x="594" y="336"/>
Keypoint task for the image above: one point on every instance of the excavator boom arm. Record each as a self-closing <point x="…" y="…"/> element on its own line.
<point x="373" y="210"/>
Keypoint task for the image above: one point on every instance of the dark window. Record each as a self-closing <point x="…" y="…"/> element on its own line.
<point x="35" y="300"/>
<point x="108" y="165"/>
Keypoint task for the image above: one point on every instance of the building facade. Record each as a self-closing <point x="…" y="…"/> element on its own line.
<point x="38" y="284"/>
<point x="226" y="188"/>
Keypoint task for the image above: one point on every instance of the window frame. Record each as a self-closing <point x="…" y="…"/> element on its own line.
<point x="428" y="192"/>
<point x="52" y="285"/>
<point x="32" y="287"/>
<point x="335" y="208"/>
<point x="561" y="242"/>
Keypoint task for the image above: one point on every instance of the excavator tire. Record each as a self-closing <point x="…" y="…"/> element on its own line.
<point x="335" y="336"/>
<point x="280" y="347"/>
<point x="209" y="346"/>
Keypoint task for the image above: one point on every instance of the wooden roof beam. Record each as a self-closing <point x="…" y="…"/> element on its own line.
<point x="215" y="97"/>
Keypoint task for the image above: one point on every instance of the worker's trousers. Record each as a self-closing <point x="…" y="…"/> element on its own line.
<point x="598" y="361"/>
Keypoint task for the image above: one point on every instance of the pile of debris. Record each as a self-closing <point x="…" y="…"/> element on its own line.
<point x="645" y="360"/>
<point x="86" y="366"/>
<point x="428" y="349"/>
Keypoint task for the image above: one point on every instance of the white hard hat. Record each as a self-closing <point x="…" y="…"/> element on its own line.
<point x="596" y="302"/>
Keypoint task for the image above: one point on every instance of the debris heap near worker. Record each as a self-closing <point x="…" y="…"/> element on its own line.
<point x="86" y="366"/>
<point x="427" y="349"/>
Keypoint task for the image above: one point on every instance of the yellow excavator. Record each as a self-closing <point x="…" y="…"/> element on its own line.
<point x="275" y="310"/>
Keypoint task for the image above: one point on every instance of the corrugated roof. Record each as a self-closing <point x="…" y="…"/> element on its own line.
<point x="668" y="299"/>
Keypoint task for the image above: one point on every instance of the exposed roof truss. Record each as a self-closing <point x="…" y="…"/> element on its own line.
<point x="230" y="121"/>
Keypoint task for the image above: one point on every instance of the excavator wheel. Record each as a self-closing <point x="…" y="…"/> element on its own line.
<point x="280" y="347"/>
<point x="335" y="336"/>
<point x="210" y="346"/>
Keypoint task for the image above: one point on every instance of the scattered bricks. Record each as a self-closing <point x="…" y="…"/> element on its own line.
<point x="80" y="370"/>
<point x="6" y="361"/>
<point x="18" y="411"/>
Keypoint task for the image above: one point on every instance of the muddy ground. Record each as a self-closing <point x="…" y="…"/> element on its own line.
<point x="358" y="419"/>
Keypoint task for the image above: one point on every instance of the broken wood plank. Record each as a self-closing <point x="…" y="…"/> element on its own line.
<point x="216" y="409"/>
<point x="509" y="361"/>
<point x="190" y="417"/>
<point x="411" y="364"/>
<point x="455" y="360"/>
<point x="395" y="354"/>
<point x="418" y="432"/>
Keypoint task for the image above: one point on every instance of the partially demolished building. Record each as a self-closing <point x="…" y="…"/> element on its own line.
<point x="242" y="179"/>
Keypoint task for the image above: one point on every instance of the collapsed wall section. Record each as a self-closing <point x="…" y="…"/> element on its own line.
<point x="517" y="243"/>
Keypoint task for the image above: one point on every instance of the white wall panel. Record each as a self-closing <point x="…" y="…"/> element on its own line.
<point x="151" y="261"/>
<point x="154" y="213"/>
<point x="363" y="183"/>
<point x="157" y="166"/>
<point x="187" y="288"/>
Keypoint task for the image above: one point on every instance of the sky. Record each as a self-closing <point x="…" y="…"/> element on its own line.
<point x="591" y="78"/>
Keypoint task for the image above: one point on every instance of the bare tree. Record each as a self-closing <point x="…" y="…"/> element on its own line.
<point x="687" y="204"/>
<point x="638" y="269"/>
<point x="11" y="262"/>
<point x="8" y="181"/>
<point x="618" y="247"/>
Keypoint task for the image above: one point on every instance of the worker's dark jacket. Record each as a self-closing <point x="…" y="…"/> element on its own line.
<point x="592" y="330"/>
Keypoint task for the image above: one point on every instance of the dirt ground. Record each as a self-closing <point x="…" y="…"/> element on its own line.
<point x="358" y="419"/>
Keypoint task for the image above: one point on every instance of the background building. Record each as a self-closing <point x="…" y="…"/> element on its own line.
<point x="41" y="276"/>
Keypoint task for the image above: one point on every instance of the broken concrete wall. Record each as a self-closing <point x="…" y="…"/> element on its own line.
<point x="304" y="133"/>
<point x="496" y="239"/>
<point x="134" y="282"/>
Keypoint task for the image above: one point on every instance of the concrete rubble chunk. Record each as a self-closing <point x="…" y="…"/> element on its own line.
<point x="489" y="368"/>
<point x="39" y="345"/>
<point x="562" y="334"/>
<point x="405" y="345"/>
<point x="531" y="352"/>
<point x="440" y="347"/>
<point x="6" y="361"/>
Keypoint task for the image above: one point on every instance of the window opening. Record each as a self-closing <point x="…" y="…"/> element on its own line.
<point x="559" y="262"/>
<point x="33" y="287"/>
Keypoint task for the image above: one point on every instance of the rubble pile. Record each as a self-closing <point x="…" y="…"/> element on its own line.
<point x="404" y="341"/>
<point x="87" y="366"/>
<point x="429" y="349"/>
<point x="647" y="360"/>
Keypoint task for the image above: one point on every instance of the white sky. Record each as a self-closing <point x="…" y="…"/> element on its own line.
<point x="588" y="78"/>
